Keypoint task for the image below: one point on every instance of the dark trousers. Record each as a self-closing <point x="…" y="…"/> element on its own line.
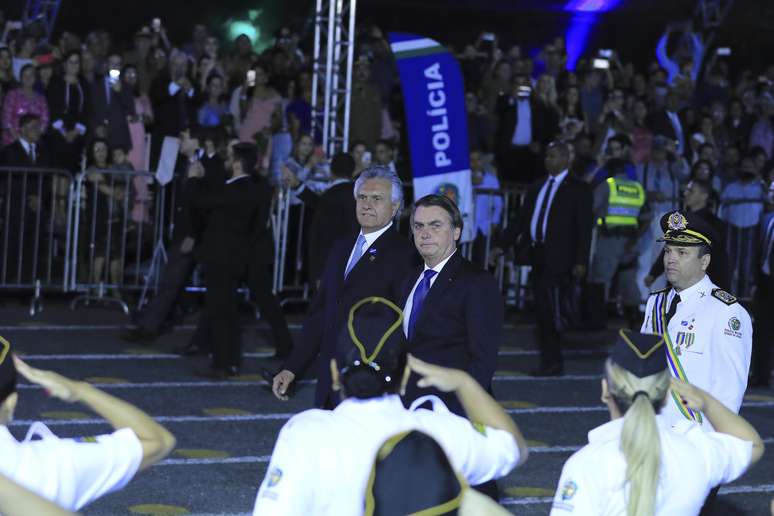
<point x="173" y="280"/>
<point x="221" y="317"/>
<point x="763" y="328"/>
<point x="259" y="280"/>
<point x="546" y="311"/>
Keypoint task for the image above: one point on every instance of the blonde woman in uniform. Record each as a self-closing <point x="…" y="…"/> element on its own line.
<point x="637" y="464"/>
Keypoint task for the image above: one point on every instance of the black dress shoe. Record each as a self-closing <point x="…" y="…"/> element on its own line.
<point x="138" y="335"/>
<point x="548" y="370"/>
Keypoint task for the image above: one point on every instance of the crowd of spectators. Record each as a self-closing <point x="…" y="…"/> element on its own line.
<point x="683" y="117"/>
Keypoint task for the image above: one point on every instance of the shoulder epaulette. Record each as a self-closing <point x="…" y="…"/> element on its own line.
<point x="655" y="292"/>
<point x="722" y="295"/>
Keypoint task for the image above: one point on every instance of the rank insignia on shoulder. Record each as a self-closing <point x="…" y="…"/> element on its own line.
<point x="660" y="291"/>
<point x="722" y="295"/>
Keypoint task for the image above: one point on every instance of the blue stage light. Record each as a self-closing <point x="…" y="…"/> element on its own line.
<point x="590" y="6"/>
<point x="586" y="12"/>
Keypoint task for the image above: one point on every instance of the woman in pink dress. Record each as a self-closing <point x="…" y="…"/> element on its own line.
<point x="143" y="115"/>
<point x="20" y="101"/>
<point x="261" y="102"/>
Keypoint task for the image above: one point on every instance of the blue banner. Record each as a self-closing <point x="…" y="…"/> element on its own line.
<point x="434" y="101"/>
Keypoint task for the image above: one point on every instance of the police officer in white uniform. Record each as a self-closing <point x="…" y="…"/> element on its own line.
<point x="638" y="463"/>
<point x="322" y="459"/>
<point x="75" y="472"/>
<point x="708" y="333"/>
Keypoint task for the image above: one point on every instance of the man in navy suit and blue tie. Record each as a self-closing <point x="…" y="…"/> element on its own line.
<point x="453" y="311"/>
<point x="371" y="263"/>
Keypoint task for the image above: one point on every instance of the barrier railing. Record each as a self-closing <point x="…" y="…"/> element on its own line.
<point x="35" y="217"/>
<point x="116" y="228"/>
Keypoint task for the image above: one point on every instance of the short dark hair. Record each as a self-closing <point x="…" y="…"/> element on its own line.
<point x="247" y="155"/>
<point x="704" y="249"/>
<point x="621" y="138"/>
<point x="27" y="118"/>
<point x="342" y="165"/>
<point x="442" y="202"/>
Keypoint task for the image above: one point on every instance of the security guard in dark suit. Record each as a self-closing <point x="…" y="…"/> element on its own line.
<point x="237" y="212"/>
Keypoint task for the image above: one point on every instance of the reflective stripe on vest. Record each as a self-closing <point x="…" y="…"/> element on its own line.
<point x="624" y="203"/>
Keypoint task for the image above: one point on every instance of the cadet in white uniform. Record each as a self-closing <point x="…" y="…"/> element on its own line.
<point x="75" y="472"/>
<point x="322" y="459"/>
<point x="670" y="470"/>
<point x="708" y="333"/>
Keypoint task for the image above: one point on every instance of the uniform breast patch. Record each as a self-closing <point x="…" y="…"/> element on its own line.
<point x="722" y="295"/>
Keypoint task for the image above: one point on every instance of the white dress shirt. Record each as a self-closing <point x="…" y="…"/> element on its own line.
<point x="370" y="238"/>
<point x="323" y="458"/>
<point x="522" y="133"/>
<point x="539" y="202"/>
<point x="410" y="301"/>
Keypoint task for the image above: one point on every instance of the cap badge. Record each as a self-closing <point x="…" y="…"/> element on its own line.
<point x="677" y="222"/>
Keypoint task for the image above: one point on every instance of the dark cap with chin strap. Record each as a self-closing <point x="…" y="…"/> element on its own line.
<point x="686" y="229"/>
<point x="642" y="354"/>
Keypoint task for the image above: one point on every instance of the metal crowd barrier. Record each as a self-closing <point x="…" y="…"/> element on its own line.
<point x="117" y="234"/>
<point x="35" y="216"/>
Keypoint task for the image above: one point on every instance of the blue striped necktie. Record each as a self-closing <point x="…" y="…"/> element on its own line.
<point x="356" y="254"/>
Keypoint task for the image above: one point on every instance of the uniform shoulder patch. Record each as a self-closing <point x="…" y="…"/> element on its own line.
<point x="722" y="295"/>
<point x="660" y="291"/>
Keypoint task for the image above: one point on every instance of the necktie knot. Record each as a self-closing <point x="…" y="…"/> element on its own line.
<point x="429" y="273"/>
<point x="356" y="254"/>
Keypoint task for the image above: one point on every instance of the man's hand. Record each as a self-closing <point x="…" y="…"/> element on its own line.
<point x="692" y="397"/>
<point x="649" y="280"/>
<point x="196" y="170"/>
<point x="289" y="178"/>
<point x="55" y="384"/>
<point x="187" y="245"/>
<point x="281" y="384"/>
<point x="579" y="271"/>
<point x="442" y="378"/>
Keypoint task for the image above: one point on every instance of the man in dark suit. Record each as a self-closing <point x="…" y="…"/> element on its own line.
<point x="453" y="311"/>
<point x="667" y="122"/>
<point x="334" y="211"/>
<point x="197" y="149"/>
<point x="238" y="212"/>
<point x="23" y="154"/>
<point x="525" y="126"/>
<point x="554" y="232"/>
<point x="371" y="263"/>
<point x="26" y="151"/>
<point x="111" y="104"/>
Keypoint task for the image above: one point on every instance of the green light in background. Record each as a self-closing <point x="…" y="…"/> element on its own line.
<point x="238" y="27"/>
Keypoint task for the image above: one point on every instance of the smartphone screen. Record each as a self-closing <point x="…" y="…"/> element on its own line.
<point x="251" y="78"/>
<point x="601" y="64"/>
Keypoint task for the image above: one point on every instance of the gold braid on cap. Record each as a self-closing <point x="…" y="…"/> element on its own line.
<point x="351" y="327"/>
<point x="5" y="347"/>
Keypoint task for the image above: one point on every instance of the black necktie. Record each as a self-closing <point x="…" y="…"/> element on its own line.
<point x="543" y="211"/>
<point x="672" y="309"/>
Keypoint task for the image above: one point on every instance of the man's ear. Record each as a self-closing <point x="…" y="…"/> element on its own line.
<point x="335" y="383"/>
<point x="457" y="233"/>
<point x="705" y="261"/>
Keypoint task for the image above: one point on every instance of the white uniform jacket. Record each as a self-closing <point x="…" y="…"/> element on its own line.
<point x="710" y="337"/>
<point x="70" y="472"/>
<point x="322" y="459"/>
<point x="693" y="461"/>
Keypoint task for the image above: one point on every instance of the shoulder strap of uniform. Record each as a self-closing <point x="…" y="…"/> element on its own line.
<point x="656" y="292"/>
<point x="722" y="295"/>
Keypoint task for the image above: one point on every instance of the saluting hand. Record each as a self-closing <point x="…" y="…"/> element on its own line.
<point x="55" y="384"/>
<point x="693" y="397"/>
<point x="442" y="378"/>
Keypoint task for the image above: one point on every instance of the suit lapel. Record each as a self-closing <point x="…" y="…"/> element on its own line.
<point x="370" y="257"/>
<point x="440" y="286"/>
